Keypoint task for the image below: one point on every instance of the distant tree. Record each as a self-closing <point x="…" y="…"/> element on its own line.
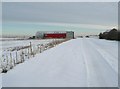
<point x="100" y="36"/>
<point x="87" y="36"/>
<point x="33" y="37"/>
<point x="113" y="34"/>
<point x="118" y="35"/>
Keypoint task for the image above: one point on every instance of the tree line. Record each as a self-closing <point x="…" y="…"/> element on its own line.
<point x="113" y="34"/>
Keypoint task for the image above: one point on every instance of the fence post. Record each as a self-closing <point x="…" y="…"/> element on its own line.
<point x="11" y="66"/>
<point x="31" y="48"/>
<point x="7" y="59"/>
<point x="16" y="57"/>
<point x="14" y="62"/>
<point x="28" y="53"/>
<point x="33" y="52"/>
<point x="22" y="56"/>
<point x="40" y="48"/>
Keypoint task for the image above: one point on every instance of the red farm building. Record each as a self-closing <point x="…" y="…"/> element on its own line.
<point x="46" y="35"/>
<point x="55" y="35"/>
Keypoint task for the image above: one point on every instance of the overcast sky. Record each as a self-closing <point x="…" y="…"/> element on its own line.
<point x="83" y="15"/>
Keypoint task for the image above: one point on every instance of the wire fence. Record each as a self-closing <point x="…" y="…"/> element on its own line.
<point x="14" y="56"/>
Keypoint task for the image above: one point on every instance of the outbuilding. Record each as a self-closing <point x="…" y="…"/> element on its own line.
<point x="55" y="34"/>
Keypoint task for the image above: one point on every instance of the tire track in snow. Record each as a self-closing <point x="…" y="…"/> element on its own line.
<point x="79" y="55"/>
<point x="84" y="58"/>
<point x="99" y="72"/>
<point x="107" y="57"/>
<point x="107" y="46"/>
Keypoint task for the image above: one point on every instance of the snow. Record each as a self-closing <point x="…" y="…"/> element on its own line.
<point x="8" y="39"/>
<point x="12" y="51"/>
<point x="15" y="43"/>
<point x="9" y="45"/>
<point x="83" y="62"/>
<point x="0" y="81"/>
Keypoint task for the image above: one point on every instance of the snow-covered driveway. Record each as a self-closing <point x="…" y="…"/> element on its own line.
<point x="83" y="62"/>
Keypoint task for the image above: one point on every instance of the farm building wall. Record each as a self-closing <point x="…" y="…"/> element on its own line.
<point x="55" y="35"/>
<point x="44" y="35"/>
<point x="70" y="34"/>
<point x="39" y="35"/>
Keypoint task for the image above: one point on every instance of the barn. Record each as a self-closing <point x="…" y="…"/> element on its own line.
<point x="54" y="34"/>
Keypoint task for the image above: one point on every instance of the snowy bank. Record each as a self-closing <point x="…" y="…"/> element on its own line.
<point x="75" y="63"/>
<point x="0" y="81"/>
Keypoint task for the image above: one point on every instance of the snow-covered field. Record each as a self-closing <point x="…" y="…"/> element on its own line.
<point x="8" y="43"/>
<point x="0" y="81"/>
<point x="16" y="43"/>
<point x="6" y="46"/>
<point x="83" y="62"/>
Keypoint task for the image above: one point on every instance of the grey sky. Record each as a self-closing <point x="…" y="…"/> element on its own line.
<point x="60" y="0"/>
<point x="99" y="13"/>
<point x="21" y="18"/>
